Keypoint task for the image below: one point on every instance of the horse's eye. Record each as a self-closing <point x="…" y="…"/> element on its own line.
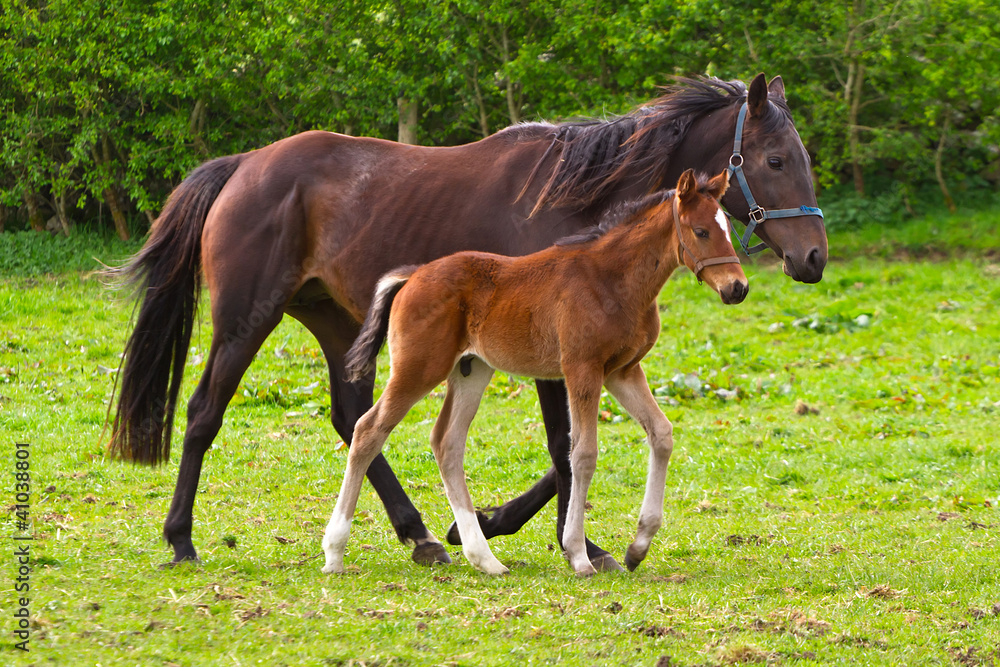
<point x="775" y="163"/>
<point x="701" y="233"/>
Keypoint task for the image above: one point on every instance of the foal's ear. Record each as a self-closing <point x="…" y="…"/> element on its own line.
<point x="757" y="96"/>
<point x="687" y="185"/>
<point x="718" y="185"/>
<point x="776" y="88"/>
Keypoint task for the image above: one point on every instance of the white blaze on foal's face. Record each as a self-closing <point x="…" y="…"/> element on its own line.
<point x="720" y="218"/>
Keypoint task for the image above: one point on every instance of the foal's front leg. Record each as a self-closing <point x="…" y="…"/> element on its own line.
<point x="584" y="387"/>
<point x="631" y="389"/>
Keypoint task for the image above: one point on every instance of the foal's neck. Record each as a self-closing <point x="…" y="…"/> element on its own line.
<point x="640" y="256"/>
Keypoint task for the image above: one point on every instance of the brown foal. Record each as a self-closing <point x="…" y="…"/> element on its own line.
<point x="584" y="310"/>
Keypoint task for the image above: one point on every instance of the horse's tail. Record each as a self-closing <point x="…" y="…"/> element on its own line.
<point x="167" y="276"/>
<point x="360" y="359"/>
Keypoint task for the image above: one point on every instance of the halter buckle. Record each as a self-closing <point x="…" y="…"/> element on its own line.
<point x="758" y="215"/>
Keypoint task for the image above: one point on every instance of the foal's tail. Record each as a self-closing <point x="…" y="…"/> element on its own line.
<point x="167" y="277"/>
<point x="360" y="359"/>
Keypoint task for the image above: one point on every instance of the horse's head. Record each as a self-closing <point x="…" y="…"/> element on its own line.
<point x="777" y="177"/>
<point x="703" y="235"/>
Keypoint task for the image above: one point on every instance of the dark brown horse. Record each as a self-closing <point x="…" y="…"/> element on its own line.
<point x="583" y="311"/>
<point x="306" y="226"/>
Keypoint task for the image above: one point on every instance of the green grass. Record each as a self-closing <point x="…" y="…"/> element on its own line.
<point x="839" y="507"/>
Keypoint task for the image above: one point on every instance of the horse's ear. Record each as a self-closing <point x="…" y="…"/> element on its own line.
<point x="718" y="185"/>
<point x="776" y="88"/>
<point x="687" y="185"/>
<point x="757" y="96"/>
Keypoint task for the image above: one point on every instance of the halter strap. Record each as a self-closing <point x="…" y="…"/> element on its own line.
<point x="758" y="214"/>
<point x="699" y="264"/>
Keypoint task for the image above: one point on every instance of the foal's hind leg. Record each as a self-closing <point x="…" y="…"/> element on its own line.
<point x="448" y="440"/>
<point x="632" y="391"/>
<point x="335" y="331"/>
<point x="584" y="386"/>
<point x="369" y="436"/>
<point x="512" y="515"/>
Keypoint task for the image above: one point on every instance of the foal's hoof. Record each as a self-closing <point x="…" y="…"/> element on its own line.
<point x="430" y="553"/>
<point x="631" y="563"/>
<point x="606" y="563"/>
<point x="633" y="556"/>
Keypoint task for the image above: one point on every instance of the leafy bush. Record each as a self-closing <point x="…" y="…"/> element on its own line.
<point x="29" y="253"/>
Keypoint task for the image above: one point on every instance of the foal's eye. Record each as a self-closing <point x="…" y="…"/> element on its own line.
<point x="775" y="163"/>
<point x="701" y="233"/>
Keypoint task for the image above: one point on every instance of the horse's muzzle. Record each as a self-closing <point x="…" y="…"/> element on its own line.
<point x="808" y="268"/>
<point x="734" y="292"/>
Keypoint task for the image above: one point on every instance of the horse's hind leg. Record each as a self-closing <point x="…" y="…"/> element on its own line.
<point x="448" y="440"/>
<point x="632" y="391"/>
<point x="336" y="330"/>
<point x="512" y="515"/>
<point x="241" y="325"/>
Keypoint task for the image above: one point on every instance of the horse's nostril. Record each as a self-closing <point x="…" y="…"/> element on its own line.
<point x="812" y="259"/>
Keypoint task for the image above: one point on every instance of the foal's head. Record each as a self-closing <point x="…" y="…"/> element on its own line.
<point x="703" y="235"/>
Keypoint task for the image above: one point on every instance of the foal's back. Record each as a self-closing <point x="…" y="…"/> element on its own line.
<point x="522" y="315"/>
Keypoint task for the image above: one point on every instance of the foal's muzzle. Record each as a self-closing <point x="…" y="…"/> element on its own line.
<point x="734" y="292"/>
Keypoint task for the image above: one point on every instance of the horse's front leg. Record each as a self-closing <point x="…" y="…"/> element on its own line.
<point x="631" y="389"/>
<point x="584" y="387"/>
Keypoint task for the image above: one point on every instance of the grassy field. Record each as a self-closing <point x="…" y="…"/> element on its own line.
<point x="832" y="496"/>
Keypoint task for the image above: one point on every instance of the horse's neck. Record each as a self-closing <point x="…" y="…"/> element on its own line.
<point x="706" y="147"/>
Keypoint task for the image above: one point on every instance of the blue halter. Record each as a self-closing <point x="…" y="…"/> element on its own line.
<point x="757" y="213"/>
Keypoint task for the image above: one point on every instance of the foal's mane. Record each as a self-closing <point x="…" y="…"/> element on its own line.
<point x="596" y="155"/>
<point x="626" y="213"/>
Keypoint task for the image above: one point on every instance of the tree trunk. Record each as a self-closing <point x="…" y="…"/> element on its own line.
<point x="196" y="126"/>
<point x="513" y="103"/>
<point x="110" y="196"/>
<point x="3" y="217"/>
<point x="852" y="92"/>
<point x="409" y="120"/>
<point x="484" y="120"/>
<point x="855" y="83"/>
<point x="938" y="159"/>
<point x="60" y="202"/>
<point x="34" y="215"/>
<point x="121" y="224"/>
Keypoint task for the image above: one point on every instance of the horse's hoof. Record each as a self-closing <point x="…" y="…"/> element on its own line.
<point x="587" y="573"/>
<point x="453" y="537"/>
<point x="606" y="563"/>
<point x="430" y="553"/>
<point x="183" y="561"/>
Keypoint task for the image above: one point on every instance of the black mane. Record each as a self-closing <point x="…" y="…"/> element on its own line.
<point x="597" y="155"/>
<point x="626" y="213"/>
